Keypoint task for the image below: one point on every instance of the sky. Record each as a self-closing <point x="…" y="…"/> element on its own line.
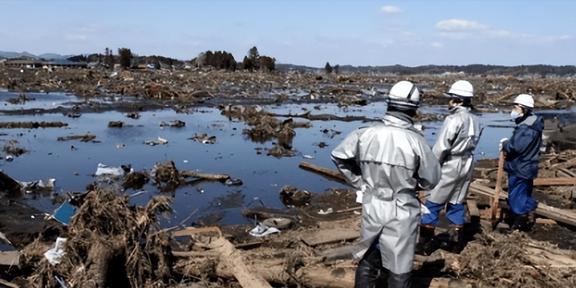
<point x="303" y="32"/>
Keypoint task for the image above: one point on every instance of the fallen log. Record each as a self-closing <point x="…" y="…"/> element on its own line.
<point x="560" y="215"/>
<point x="205" y="176"/>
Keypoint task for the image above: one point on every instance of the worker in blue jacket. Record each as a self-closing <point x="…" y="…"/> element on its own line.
<point x="522" y="156"/>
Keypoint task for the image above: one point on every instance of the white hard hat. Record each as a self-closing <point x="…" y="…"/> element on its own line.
<point x="404" y="93"/>
<point x="525" y="100"/>
<point x="461" y="88"/>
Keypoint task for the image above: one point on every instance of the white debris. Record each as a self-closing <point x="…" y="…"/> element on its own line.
<point x="107" y="170"/>
<point x="262" y="230"/>
<point x="326" y="212"/>
<point x="55" y="254"/>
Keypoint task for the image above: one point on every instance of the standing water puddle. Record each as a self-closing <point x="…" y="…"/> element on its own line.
<point x="72" y="163"/>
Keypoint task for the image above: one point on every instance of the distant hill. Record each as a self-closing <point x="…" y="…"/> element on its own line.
<point x="10" y="55"/>
<point x="47" y="56"/>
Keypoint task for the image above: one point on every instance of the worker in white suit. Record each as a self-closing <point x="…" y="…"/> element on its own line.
<point x="388" y="161"/>
<point x="454" y="149"/>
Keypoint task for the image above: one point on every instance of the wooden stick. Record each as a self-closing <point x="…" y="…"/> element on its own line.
<point x="332" y="174"/>
<point x="499" y="176"/>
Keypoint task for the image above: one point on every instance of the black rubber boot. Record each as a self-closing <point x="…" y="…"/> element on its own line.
<point x="370" y="273"/>
<point x="457" y="241"/>
<point x="400" y="280"/>
<point x="427" y="242"/>
<point x="522" y="222"/>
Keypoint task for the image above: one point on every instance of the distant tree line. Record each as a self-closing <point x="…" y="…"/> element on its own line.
<point x="224" y="60"/>
<point x="126" y="59"/>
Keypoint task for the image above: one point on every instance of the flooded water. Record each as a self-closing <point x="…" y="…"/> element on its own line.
<point x="73" y="163"/>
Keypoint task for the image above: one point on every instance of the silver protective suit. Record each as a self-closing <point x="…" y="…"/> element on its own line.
<point x="388" y="161"/>
<point x="455" y="151"/>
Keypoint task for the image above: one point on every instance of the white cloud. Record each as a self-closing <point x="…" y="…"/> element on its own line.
<point x="460" y="29"/>
<point x="436" y="45"/>
<point x="460" y="25"/>
<point x="390" y="9"/>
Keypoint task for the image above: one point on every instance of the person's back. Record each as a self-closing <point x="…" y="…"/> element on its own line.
<point x="389" y="157"/>
<point x="387" y="161"/>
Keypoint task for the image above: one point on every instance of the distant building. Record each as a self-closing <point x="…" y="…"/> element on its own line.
<point x="33" y="63"/>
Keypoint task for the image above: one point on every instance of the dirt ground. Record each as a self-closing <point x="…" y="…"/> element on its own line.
<point x="318" y="229"/>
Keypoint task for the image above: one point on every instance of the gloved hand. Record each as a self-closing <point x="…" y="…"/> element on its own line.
<point x="501" y="144"/>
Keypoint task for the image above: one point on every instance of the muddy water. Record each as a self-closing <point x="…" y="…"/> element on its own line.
<point x="72" y="163"/>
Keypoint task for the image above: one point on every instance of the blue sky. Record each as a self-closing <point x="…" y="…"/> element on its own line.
<point x="361" y="32"/>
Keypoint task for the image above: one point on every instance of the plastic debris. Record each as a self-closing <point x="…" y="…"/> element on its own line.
<point x="262" y="230"/>
<point x="107" y="170"/>
<point x="55" y="254"/>
<point x="233" y="182"/>
<point x="64" y="213"/>
<point x="326" y="212"/>
<point x="159" y="141"/>
<point x="308" y="156"/>
<point x="38" y="185"/>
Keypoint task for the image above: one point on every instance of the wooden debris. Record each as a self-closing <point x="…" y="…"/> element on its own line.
<point x="8" y="284"/>
<point x="330" y="236"/>
<point x="560" y="181"/>
<point x="472" y="208"/>
<point x="228" y="256"/>
<point x="337" y="253"/>
<point x="560" y="215"/>
<point x="205" y="176"/>
<point x="332" y="174"/>
<point x="10" y="258"/>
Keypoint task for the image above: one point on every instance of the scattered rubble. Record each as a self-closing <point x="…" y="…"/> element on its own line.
<point x="81" y="138"/>
<point x="204" y="138"/>
<point x="31" y="125"/>
<point x="12" y="148"/>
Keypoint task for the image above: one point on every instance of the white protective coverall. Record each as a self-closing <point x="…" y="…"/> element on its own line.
<point x="388" y="161"/>
<point x="455" y="151"/>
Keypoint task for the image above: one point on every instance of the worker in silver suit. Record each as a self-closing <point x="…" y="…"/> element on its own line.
<point x="388" y="161"/>
<point x="454" y="149"/>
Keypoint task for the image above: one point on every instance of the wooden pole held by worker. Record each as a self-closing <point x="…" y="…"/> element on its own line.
<point x="498" y="189"/>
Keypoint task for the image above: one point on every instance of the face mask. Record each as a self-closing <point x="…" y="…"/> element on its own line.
<point x="515" y="115"/>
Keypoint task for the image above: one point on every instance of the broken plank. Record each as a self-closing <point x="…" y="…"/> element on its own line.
<point x="558" y="181"/>
<point x="8" y="284"/>
<point x="472" y="208"/>
<point x="330" y="236"/>
<point x="9" y="258"/>
<point x="560" y="215"/>
<point x="338" y="253"/>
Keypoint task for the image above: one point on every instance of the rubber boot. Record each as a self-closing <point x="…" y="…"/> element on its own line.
<point x="370" y="273"/>
<point x="522" y="222"/>
<point x="457" y="241"/>
<point x="427" y="242"/>
<point x="400" y="280"/>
